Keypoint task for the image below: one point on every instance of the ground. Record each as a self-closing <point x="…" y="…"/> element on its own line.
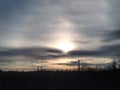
<point x="60" y="80"/>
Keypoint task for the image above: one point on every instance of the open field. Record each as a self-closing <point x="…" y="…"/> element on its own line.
<point x="49" y="80"/>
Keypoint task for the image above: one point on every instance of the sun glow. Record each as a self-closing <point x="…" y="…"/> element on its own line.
<point x="64" y="35"/>
<point x="65" y="46"/>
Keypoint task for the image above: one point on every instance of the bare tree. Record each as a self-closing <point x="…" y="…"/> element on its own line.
<point x="114" y="65"/>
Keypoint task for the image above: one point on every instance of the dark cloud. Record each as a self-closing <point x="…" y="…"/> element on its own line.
<point x="35" y="53"/>
<point x="104" y="51"/>
<point x="51" y="53"/>
<point x="111" y="50"/>
<point x="75" y="63"/>
<point x="94" y="53"/>
<point x="113" y="35"/>
<point x="72" y="63"/>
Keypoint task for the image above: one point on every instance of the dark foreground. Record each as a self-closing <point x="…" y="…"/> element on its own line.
<point x="103" y="80"/>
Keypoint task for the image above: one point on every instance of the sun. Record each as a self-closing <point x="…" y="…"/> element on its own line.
<point x="65" y="46"/>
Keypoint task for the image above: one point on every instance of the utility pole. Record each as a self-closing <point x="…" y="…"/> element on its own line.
<point x="79" y="65"/>
<point x="38" y="68"/>
<point x="41" y="68"/>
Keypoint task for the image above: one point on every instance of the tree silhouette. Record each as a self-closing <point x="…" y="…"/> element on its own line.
<point x="114" y="65"/>
<point x="0" y="70"/>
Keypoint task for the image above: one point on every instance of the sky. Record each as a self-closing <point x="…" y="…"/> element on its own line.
<point x="55" y="33"/>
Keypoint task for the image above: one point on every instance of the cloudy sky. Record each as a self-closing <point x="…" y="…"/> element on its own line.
<point x="50" y="33"/>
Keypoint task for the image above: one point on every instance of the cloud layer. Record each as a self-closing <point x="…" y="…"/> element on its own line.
<point x="36" y="29"/>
